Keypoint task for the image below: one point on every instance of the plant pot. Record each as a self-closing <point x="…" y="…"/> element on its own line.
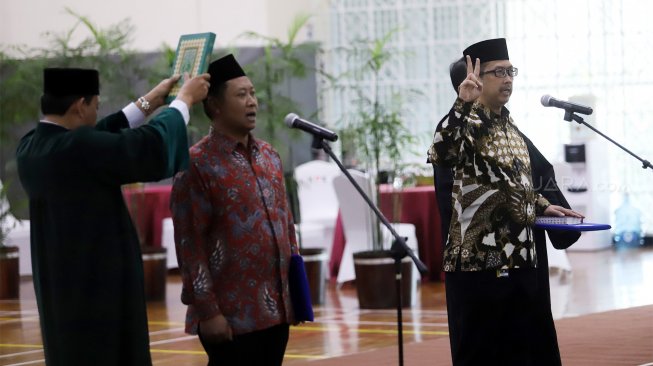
<point x="375" y="280"/>
<point x="154" y="272"/>
<point x="315" y="265"/>
<point x="9" y="274"/>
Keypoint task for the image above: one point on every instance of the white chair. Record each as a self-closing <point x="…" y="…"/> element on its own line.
<point x="18" y="235"/>
<point x="357" y="222"/>
<point x="168" y="242"/>
<point x="318" y="204"/>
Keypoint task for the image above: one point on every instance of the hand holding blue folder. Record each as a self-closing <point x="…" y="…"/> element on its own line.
<point x="584" y="226"/>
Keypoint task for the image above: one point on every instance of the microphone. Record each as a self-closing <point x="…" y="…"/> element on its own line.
<point x="293" y="121"/>
<point x="549" y="101"/>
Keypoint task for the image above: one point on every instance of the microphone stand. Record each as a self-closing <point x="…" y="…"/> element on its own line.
<point x="398" y="250"/>
<point x="569" y="116"/>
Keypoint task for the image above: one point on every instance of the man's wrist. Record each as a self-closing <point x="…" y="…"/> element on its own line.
<point x="186" y="99"/>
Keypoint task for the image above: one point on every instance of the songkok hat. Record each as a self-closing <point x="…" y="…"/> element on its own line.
<point x="224" y="69"/>
<point x="60" y="82"/>
<point x="488" y="50"/>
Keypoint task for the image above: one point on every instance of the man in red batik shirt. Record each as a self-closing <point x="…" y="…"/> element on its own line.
<point x="234" y="232"/>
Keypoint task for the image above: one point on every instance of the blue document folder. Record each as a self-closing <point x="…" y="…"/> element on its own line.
<point x="300" y="294"/>
<point x="585" y="226"/>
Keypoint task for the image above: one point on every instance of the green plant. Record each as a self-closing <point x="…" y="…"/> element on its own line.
<point x="103" y="49"/>
<point x="375" y="130"/>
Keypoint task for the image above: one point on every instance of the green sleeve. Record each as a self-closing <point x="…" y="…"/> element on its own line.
<point x="170" y="124"/>
<point x="149" y="153"/>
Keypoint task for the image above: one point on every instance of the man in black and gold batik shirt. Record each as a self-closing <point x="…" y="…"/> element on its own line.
<point x="490" y="256"/>
<point x="494" y="200"/>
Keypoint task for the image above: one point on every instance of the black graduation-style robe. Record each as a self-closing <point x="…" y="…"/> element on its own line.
<point x="544" y="339"/>
<point x="86" y="258"/>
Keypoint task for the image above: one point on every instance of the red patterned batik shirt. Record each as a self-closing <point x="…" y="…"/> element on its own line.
<point x="234" y="234"/>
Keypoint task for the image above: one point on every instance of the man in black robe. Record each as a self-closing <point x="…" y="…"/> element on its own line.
<point x="545" y="342"/>
<point x="88" y="271"/>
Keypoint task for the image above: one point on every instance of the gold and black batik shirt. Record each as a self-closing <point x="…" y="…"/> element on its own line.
<point x="493" y="199"/>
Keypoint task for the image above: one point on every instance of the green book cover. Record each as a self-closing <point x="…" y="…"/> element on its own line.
<point x="192" y="56"/>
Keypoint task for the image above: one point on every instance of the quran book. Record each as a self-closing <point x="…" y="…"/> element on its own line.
<point x="558" y="220"/>
<point x="300" y="293"/>
<point x="192" y="56"/>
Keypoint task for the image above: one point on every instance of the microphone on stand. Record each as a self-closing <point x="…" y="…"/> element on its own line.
<point x="293" y="121"/>
<point x="549" y="101"/>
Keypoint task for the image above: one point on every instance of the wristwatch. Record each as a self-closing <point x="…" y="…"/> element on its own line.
<point x="145" y="105"/>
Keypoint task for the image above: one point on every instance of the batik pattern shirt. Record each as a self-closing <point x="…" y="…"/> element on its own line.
<point x="493" y="199"/>
<point x="234" y="234"/>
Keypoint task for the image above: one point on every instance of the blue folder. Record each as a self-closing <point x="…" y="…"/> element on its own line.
<point x="585" y="226"/>
<point x="300" y="293"/>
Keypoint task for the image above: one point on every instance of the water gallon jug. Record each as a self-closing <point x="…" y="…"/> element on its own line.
<point x="628" y="230"/>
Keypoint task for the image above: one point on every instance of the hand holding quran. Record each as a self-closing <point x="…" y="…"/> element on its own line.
<point x="194" y="89"/>
<point x="156" y="97"/>
<point x="570" y="221"/>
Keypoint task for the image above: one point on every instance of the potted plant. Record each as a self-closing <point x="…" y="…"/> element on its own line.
<point x="375" y="137"/>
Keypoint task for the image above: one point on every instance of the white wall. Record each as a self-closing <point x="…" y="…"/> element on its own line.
<point x="156" y="22"/>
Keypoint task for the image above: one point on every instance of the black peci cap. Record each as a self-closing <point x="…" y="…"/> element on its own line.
<point x="224" y="69"/>
<point x="60" y="82"/>
<point x="488" y="50"/>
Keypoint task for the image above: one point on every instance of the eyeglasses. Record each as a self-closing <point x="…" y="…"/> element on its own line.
<point x="501" y="72"/>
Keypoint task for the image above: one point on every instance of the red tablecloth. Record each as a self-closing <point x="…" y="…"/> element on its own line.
<point x="417" y="206"/>
<point x="148" y="205"/>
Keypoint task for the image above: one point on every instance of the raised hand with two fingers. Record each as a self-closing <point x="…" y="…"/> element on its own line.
<point x="472" y="87"/>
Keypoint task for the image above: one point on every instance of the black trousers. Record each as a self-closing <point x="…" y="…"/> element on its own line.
<point x="493" y="320"/>
<point x="263" y="347"/>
